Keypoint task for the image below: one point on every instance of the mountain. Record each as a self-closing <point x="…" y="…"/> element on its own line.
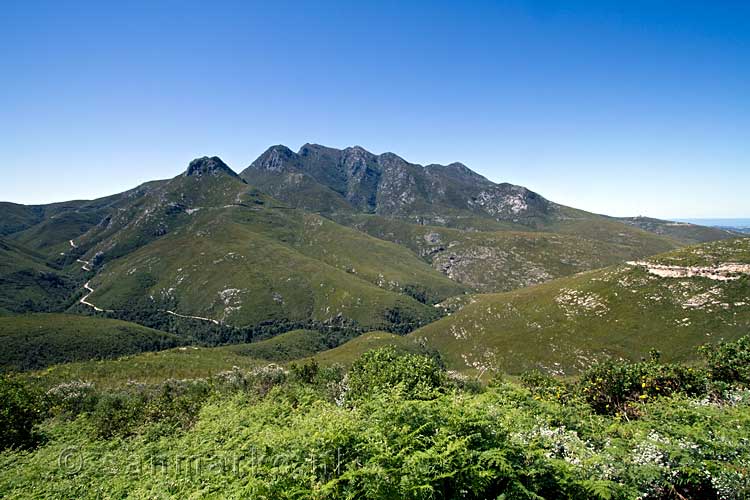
<point x="491" y="237"/>
<point x="207" y="247"/>
<point x="672" y="302"/>
<point x="323" y="238"/>
<point x="329" y="180"/>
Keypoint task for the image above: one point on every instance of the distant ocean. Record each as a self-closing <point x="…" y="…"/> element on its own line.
<point x="739" y="223"/>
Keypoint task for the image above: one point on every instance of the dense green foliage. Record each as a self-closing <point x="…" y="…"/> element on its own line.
<point x="385" y="369"/>
<point x="19" y="413"/>
<point x="728" y="361"/>
<point x="395" y="426"/>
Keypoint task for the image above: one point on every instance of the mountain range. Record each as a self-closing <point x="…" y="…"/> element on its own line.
<point x="337" y="241"/>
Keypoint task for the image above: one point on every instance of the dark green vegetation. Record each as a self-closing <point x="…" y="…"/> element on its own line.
<point x="35" y="341"/>
<point x="564" y="325"/>
<point x="395" y="426"/>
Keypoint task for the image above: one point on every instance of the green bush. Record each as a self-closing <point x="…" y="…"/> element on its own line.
<point x="618" y="387"/>
<point x="543" y="386"/>
<point x="417" y="377"/>
<point x="728" y="361"/>
<point x="20" y="410"/>
<point x="117" y="414"/>
<point x="305" y="372"/>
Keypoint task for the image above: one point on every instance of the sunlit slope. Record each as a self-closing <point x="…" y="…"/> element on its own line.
<point x="187" y="362"/>
<point x="208" y="245"/>
<point x="495" y="261"/>
<point x="242" y="279"/>
<point x="347" y="353"/>
<point x="622" y="311"/>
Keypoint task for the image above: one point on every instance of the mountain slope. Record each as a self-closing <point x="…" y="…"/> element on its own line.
<point x="391" y="240"/>
<point x="35" y="341"/>
<point x="28" y="282"/>
<point x="494" y="261"/>
<point x="622" y="311"/>
<point x="207" y="245"/>
<point x="418" y="206"/>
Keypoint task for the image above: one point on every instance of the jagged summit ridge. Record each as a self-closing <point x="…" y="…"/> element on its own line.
<point x="329" y="179"/>
<point x="208" y="166"/>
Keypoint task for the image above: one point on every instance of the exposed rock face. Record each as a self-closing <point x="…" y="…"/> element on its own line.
<point x="723" y="272"/>
<point x="208" y="166"/>
<point x="386" y="184"/>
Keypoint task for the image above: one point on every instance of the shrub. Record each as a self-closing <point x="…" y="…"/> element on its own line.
<point x="728" y="361"/>
<point x="305" y="372"/>
<point x="20" y="410"/>
<point x="71" y="398"/>
<point x="616" y="387"/>
<point x="543" y="386"/>
<point x="117" y="414"/>
<point x="418" y="377"/>
<point x="268" y="377"/>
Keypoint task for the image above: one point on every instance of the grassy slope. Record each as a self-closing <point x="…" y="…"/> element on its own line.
<point x="215" y="247"/>
<point x="28" y="282"/>
<point x="229" y="273"/>
<point x="17" y="217"/>
<point x="347" y="353"/>
<point x="149" y="367"/>
<point x="38" y="340"/>
<point x="187" y="361"/>
<point x="621" y="311"/>
<point x="192" y="361"/>
<point x="288" y="346"/>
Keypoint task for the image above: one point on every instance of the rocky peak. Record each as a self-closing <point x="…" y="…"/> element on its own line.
<point x="275" y="159"/>
<point x="391" y="160"/>
<point x="208" y="166"/>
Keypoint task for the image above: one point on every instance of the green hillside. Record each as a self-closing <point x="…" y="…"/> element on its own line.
<point x="347" y="353"/>
<point x="207" y="250"/>
<point x="185" y="362"/>
<point x="28" y="282"/>
<point x="34" y="341"/>
<point x="565" y="325"/>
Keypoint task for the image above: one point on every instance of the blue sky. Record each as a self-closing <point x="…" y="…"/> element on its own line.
<point x="626" y="108"/>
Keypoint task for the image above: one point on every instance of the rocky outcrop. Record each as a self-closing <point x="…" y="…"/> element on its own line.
<point x="208" y="166"/>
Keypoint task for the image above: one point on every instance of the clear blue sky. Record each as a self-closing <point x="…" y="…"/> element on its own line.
<point x="626" y="108"/>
